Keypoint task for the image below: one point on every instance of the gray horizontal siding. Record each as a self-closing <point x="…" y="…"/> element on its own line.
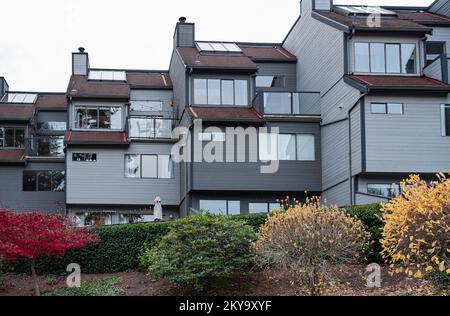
<point x="177" y="73"/>
<point x="104" y="182"/>
<point x="288" y="71"/>
<point x="14" y="198"/>
<point x="338" y="195"/>
<point x="365" y="199"/>
<point x="407" y="143"/>
<point x="165" y="96"/>
<point x="434" y="70"/>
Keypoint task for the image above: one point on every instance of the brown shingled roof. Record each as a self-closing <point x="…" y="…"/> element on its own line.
<point x="218" y="114"/>
<point x="400" y="83"/>
<point x="52" y="102"/>
<point x="387" y="24"/>
<point x="149" y="80"/>
<point x="16" y="112"/>
<point x="12" y="156"/>
<point x="268" y="53"/>
<point x="80" y="86"/>
<point x="95" y="138"/>
<point x="193" y="58"/>
<point x="425" y="18"/>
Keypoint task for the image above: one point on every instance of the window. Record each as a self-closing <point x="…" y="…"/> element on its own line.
<point x="52" y="126"/>
<point x="148" y="166"/>
<point x="107" y="75"/>
<point x="434" y="50"/>
<point x="386" y="190"/>
<point x="12" y="137"/>
<point x="50" y="146"/>
<point x="221" y="207"/>
<point x="300" y="147"/>
<point x="43" y="181"/>
<point x="220" y="92"/>
<point x="19" y="98"/>
<point x="146" y="106"/>
<point x="445" y="117"/>
<point x="150" y="127"/>
<point x="87" y="117"/>
<point x="269" y="82"/>
<point x="387" y="108"/>
<point x="84" y="157"/>
<point x="219" y="47"/>
<point x="279" y="103"/>
<point x="262" y="207"/>
<point x="385" y="58"/>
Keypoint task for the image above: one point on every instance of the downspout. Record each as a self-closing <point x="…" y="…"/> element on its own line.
<point x="352" y="202"/>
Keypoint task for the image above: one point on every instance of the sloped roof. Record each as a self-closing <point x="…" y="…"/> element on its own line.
<point x="267" y="53"/>
<point x="219" y="114"/>
<point x="80" y="86"/>
<point x="16" y="112"/>
<point x="193" y="58"/>
<point x="52" y="101"/>
<point x="399" y="83"/>
<point x="149" y="80"/>
<point x="425" y="18"/>
<point x="12" y="156"/>
<point x="95" y="138"/>
<point x="387" y="23"/>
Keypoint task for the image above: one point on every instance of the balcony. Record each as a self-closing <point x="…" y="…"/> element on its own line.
<point x="288" y="103"/>
<point x="150" y="127"/>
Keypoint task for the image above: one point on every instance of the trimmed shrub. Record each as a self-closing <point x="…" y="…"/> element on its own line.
<point x="311" y="240"/>
<point x="372" y="218"/>
<point x="118" y="249"/>
<point x="416" y="235"/>
<point x="201" y="248"/>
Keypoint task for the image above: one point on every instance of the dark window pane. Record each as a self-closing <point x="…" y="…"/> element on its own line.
<point x="9" y="137"/>
<point x="51" y="146"/>
<point x="82" y="157"/>
<point x="29" y="181"/>
<point x="58" y="181"/>
<point x="91" y="118"/>
<point x="104" y="117"/>
<point x="447" y="121"/>
<point x="44" y="179"/>
<point x="81" y="119"/>
<point x="19" y="141"/>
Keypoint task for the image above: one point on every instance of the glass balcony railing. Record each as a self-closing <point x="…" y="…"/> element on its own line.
<point x="150" y="127"/>
<point x="288" y="103"/>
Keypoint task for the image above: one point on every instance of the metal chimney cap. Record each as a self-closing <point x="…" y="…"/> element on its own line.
<point x="81" y="49"/>
<point x="182" y="19"/>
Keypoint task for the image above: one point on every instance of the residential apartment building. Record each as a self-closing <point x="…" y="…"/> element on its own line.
<point x="358" y="97"/>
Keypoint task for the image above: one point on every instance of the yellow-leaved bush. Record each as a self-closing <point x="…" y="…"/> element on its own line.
<point x="311" y="239"/>
<point x="417" y="225"/>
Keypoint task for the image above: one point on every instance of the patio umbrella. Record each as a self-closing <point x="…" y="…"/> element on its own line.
<point x="157" y="210"/>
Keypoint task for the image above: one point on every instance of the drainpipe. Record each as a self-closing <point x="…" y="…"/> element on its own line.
<point x="352" y="202"/>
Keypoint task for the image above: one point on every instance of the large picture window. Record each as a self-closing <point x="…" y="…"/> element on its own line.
<point x="386" y="190"/>
<point x="385" y="58"/>
<point x="221" y="92"/>
<point x="11" y="137"/>
<point x="148" y="166"/>
<point x="223" y="207"/>
<point x="88" y="117"/>
<point x="44" y="181"/>
<point x="50" y="146"/>
<point x="300" y="147"/>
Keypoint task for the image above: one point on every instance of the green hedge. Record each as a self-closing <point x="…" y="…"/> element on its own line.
<point x="371" y="216"/>
<point x="118" y="250"/>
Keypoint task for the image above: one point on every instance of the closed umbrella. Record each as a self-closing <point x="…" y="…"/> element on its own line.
<point x="157" y="210"/>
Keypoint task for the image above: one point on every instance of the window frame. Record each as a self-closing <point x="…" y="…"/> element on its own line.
<point x="221" y="95"/>
<point x="84" y="161"/>
<point x="416" y="60"/>
<point x="227" y="206"/>
<point x="51" y="174"/>
<point x="398" y="191"/>
<point x="98" y="108"/>
<point x="296" y="140"/>
<point x="444" y="123"/>
<point x="3" y="138"/>
<point x="386" y="108"/>
<point x="172" y="174"/>
<point x="267" y="204"/>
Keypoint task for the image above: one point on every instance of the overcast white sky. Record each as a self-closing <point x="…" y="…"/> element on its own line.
<point x="38" y="36"/>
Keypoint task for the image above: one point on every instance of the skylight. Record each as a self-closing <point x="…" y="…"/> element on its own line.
<point x="219" y="47"/>
<point x="107" y="75"/>
<point x="366" y="10"/>
<point x="19" y="98"/>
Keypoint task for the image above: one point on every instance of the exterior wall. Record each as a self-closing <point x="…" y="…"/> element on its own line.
<point x="104" y="182"/>
<point x="292" y="175"/>
<point x="13" y="197"/>
<point x="441" y="7"/>
<point x="287" y="70"/>
<point x="338" y="195"/>
<point x="407" y="143"/>
<point x="357" y="136"/>
<point x="177" y="73"/>
<point x="311" y="41"/>
<point x="434" y="70"/>
<point x="165" y="96"/>
<point x="80" y="64"/>
<point x="441" y="34"/>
